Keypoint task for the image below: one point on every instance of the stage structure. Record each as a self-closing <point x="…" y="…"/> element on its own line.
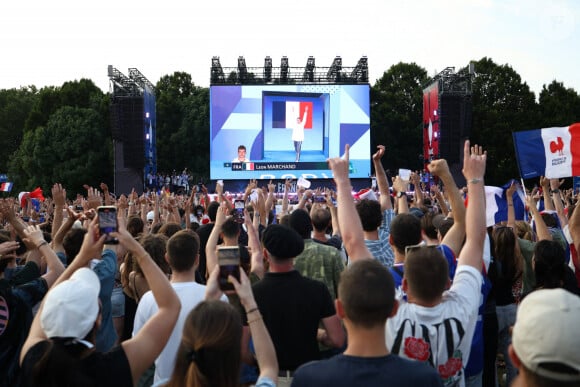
<point x="287" y="121"/>
<point x="309" y="73"/>
<point x="447" y="117"/>
<point x="133" y="123"/>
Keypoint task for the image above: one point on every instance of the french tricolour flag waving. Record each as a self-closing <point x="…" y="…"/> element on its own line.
<point x="550" y="152"/>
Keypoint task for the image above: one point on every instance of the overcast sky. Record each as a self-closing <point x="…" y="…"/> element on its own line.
<point x="50" y="42"/>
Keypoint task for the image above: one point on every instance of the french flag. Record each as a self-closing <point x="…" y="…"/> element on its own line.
<point x="549" y="152"/>
<point x="6" y="187"/>
<point x="496" y="207"/>
<point x="285" y="113"/>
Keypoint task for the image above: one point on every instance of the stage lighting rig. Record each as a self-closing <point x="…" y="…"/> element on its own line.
<point x="242" y="70"/>
<point x="333" y="74"/>
<point x="309" y="70"/>
<point x="361" y="71"/>
<point x="217" y="73"/>
<point x="284" y="70"/>
<point x="267" y="69"/>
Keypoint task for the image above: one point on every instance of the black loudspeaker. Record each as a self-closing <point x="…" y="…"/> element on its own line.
<point x="455" y="119"/>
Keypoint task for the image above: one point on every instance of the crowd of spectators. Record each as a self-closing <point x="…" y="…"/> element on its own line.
<point x="397" y="285"/>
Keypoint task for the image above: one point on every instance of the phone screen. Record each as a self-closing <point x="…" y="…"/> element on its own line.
<point x="229" y="263"/>
<point x="239" y="210"/>
<point x="108" y="222"/>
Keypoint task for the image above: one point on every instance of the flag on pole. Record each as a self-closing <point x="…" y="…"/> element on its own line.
<point x="6" y="187"/>
<point x="550" y="152"/>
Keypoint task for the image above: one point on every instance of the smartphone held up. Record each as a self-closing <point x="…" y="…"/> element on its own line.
<point x="108" y="223"/>
<point x="229" y="264"/>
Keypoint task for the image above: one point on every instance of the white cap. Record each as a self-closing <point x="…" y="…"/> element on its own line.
<point x="546" y="336"/>
<point x="150" y="216"/>
<point x="71" y="308"/>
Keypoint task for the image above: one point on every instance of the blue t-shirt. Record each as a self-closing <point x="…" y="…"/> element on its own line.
<point x="345" y="370"/>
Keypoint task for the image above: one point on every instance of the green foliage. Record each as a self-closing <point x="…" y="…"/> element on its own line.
<point x="502" y="104"/>
<point x="559" y="106"/>
<point x="71" y="149"/>
<point x="15" y="107"/>
<point x="396" y="111"/>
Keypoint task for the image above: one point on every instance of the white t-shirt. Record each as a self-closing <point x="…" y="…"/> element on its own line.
<point x="237" y="160"/>
<point x="440" y="335"/>
<point x="298" y="131"/>
<point x="190" y="294"/>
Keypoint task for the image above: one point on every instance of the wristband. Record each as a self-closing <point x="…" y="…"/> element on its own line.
<point x="252" y="310"/>
<point x="555" y="190"/>
<point x="258" y="318"/>
<point x="41" y="244"/>
<point x="475" y="181"/>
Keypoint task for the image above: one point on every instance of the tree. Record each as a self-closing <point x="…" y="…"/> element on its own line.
<point x="558" y="105"/>
<point x="191" y="142"/>
<point x="171" y="93"/>
<point x="71" y="149"/>
<point x="15" y="107"/>
<point x="502" y="104"/>
<point x="396" y="111"/>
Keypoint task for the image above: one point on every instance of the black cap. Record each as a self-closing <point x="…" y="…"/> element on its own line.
<point x="282" y="241"/>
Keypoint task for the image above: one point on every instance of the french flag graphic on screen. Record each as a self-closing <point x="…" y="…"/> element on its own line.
<point x="285" y="113"/>
<point x="550" y="152"/>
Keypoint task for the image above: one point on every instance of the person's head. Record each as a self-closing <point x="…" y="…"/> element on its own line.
<point x="281" y="243"/>
<point x="546" y="338"/>
<point x="168" y="229"/>
<point x="427" y="225"/>
<point x="426" y="273"/>
<point x="524" y="230"/>
<point x="405" y="231"/>
<point x="70" y="317"/>
<point x="212" y="210"/>
<point x="183" y="250"/>
<point x="549" y="264"/>
<point x="241" y="152"/>
<point x="370" y="214"/>
<point x="72" y="242"/>
<point x="506" y="251"/>
<point x="210" y="350"/>
<point x="135" y="225"/>
<point x="156" y="247"/>
<point x="301" y="223"/>
<point x="230" y="229"/>
<point x="366" y="294"/>
<point x="321" y="219"/>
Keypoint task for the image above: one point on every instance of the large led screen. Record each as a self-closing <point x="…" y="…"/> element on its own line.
<point x="288" y="130"/>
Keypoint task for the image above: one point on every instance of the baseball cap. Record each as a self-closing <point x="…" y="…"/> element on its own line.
<point x="71" y="307"/>
<point x="150" y="216"/>
<point x="546" y="336"/>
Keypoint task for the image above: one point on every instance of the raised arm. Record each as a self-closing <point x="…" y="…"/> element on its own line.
<point x="541" y="228"/>
<point x="257" y="259"/>
<point x="211" y="245"/>
<point x="382" y="182"/>
<point x="143" y="348"/>
<point x="556" y="195"/>
<point x="59" y="198"/>
<point x="474" y="160"/>
<point x="456" y="234"/>
<point x="545" y="183"/>
<point x="511" y="213"/>
<point x="400" y="186"/>
<point x="90" y="248"/>
<point x="348" y="219"/>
